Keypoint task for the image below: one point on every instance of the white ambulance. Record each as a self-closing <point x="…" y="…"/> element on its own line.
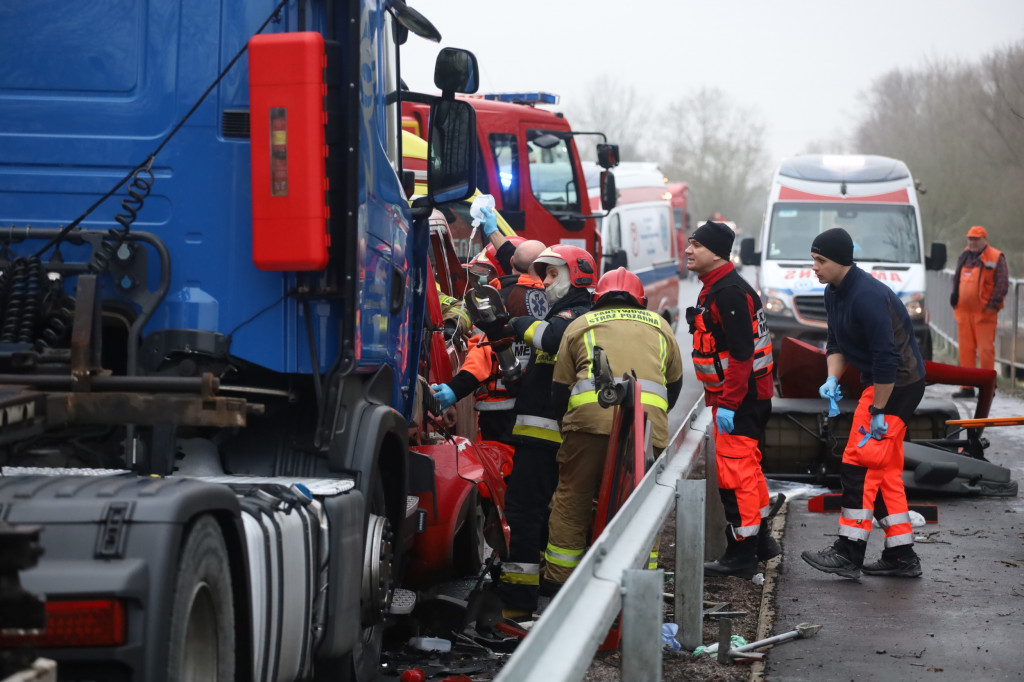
<point x="874" y="199"/>
<point x="637" y="233"/>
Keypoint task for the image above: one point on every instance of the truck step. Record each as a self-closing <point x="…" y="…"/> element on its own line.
<point x="317" y="486"/>
<point x="402" y="601"/>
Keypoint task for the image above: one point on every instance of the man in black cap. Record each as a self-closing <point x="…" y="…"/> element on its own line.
<point x="869" y="328"/>
<point x="732" y="357"/>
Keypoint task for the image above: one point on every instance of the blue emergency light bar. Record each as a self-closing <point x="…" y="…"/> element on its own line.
<point x="524" y="97"/>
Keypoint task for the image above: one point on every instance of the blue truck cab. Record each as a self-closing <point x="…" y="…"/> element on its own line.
<point x="150" y="338"/>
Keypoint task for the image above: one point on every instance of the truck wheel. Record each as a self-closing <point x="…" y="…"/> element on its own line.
<point x="469" y="549"/>
<point x="202" y="637"/>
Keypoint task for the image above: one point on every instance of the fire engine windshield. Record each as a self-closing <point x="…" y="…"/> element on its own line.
<point x="551" y="172"/>
<point x="881" y="233"/>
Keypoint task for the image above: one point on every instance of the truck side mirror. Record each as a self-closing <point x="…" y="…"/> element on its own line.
<point x="451" y="151"/>
<point x="747" y="255"/>
<point x="937" y="260"/>
<point x="609" y="196"/>
<point x="607" y="155"/>
<point x="456" y="70"/>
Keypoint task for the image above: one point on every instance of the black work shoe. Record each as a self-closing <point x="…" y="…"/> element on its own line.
<point x="964" y="393"/>
<point x="905" y="567"/>
<point x="831" y="561"/>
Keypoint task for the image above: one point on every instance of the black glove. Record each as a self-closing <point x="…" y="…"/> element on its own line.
<point x="521" y="324"/>
<point x="493" y="330"/>
<point x="691" y="318"/>
<point x="451" y="327"/>
<point x="954" y="298"/>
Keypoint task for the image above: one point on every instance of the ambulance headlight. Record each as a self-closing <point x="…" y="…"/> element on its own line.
<point x="775" y="303"/>
<point x="915" y="305"/>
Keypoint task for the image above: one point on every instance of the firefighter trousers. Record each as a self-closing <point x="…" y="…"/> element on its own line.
<point x="741" y="483"/>
<point x="527" y="499"/>
<point x="580" y="467"/>
<point x="872" y="473"/>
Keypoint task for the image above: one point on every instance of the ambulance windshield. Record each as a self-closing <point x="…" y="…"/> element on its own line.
<point x="882" y="233"/>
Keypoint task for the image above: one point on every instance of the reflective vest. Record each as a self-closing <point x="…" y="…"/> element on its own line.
<point x="711" y="363"/>
<point x="976" y="283"/>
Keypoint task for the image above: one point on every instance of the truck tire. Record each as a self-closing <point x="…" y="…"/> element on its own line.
<point x="202" y="636"/>
<point x="469" y="548"/>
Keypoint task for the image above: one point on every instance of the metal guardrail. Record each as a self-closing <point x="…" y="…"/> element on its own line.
<point x="1009" y="329"/>
<point x="564" y="640"/>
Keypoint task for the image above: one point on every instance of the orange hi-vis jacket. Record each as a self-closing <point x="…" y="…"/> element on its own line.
<point x="976" y="283"/>
<point x="732" y="364"/>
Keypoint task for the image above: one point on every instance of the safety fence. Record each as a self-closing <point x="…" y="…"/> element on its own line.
<point x="1009" y="329"/>
<point x="565" y="638"/>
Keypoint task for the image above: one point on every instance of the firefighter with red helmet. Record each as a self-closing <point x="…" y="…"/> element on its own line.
<point x="732" y="357"/>
<point x="637" y="341"/>
<point x="522" y="294"/>
<point x="567" y="273"/>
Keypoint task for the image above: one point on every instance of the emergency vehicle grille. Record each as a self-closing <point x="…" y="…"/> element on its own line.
<point x="810" y="307"/>
<point x="235" y="123"/>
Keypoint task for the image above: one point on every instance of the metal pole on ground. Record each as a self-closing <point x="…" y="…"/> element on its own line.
<point x="642" y="615"/>
<point x="689" y="584"/>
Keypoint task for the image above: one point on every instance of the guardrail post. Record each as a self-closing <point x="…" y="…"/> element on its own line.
<point x="689" y="603"/>
<point x="642" y="616"/>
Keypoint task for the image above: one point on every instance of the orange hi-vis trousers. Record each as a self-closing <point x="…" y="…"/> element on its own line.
<point x="976" y="337"/>
<point x="872" y="472"/>
<point x="741" y="483"/>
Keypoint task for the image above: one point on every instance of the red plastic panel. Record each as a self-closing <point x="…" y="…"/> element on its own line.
<point x="288" y="149"/>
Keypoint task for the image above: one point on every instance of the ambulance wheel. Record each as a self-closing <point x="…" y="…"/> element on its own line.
<point x="202" y="636"/>
<point x="469" y="549"/>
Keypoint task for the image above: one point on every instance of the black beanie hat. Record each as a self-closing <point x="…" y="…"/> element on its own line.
<point x="835" y="244"/>
<point x="716" y="237"/>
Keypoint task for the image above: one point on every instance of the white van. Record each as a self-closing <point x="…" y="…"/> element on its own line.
<point x="637" y="235"/>
<point x="875" y="200"/>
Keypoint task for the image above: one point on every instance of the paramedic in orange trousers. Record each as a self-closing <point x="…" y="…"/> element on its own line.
<point x="869" y="328"/>
<point x="636" y="341"/>
<point x="568" y="272"/>
<point x="732" y="357"/>
<point x="979" y="289"/>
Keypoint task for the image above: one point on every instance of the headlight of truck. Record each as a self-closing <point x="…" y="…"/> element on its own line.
<point x="775" y="302"/>
<point x="915" y="304"/>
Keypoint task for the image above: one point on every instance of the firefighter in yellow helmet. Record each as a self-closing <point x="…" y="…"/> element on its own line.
<point x="636" y="341"/>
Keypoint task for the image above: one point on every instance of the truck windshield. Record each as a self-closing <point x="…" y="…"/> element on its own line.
<point x="551" y="174"/>
<point x="881" y="233"/>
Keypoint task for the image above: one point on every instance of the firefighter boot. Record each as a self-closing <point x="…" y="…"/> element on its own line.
<point x="899" y="564"/>
<point x="843" y="558"/>
<point x="740" y="558"/>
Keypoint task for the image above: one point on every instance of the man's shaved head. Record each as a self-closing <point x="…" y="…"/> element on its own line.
<point x="525" y="254"/>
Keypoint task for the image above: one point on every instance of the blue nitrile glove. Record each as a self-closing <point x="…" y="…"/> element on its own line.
<point x="831" y="391"/>
<point x="444" y="394"/>
<point x="490" y="221"/>
<point x="878" y="426"/>
<point x="724" y="419"/>
<point x="878" y="429"/>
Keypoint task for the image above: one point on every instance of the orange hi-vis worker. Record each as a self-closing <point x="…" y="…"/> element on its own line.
<point x="732" y="357"/>
<point x="979" y="290"/>
<point x="636" y="341"/>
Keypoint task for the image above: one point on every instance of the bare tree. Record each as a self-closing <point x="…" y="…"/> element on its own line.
<point x="618" y="111"/>
<point x="960" y="129"/>
<point x="718" y="148"/>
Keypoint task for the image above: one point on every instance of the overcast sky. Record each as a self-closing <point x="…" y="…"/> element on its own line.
<point x="799" y="64"/>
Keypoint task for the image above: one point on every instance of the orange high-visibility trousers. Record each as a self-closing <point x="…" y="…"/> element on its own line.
<point x="872" y="480"/>
<point x="976" y="337"/>
<point x="741" y="482"/>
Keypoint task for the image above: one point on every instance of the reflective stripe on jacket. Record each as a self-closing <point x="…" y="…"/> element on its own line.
<point x="636" y="342"/>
